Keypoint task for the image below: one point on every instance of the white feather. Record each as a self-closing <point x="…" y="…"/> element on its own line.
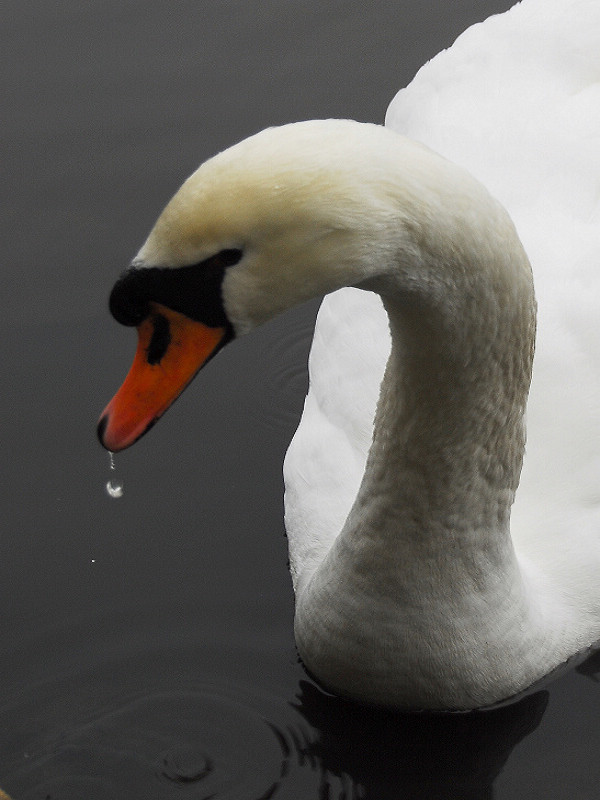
<point x="410" y="590"/>
<point x="516" y="100"/>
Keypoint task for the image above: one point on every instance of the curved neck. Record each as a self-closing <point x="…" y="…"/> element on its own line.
<point x="449" y="433"/>
<point x="422" y="581"/>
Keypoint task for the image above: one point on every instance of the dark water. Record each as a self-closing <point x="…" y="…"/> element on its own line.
<point x="146" y="645"/>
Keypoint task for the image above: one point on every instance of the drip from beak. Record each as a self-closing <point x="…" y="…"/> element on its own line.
<point x="171" y="349"/>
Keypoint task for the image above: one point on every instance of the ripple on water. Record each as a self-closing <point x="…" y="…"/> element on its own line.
<point x="286" y="355"/>
<point x="228" y="747"/>
<point x="182" y="744"/>
<point x="186" y="764"/>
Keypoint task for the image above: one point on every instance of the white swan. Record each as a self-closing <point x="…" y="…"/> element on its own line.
<point x="410" y="589"/>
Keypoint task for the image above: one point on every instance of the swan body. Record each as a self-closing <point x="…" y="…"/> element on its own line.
<point x="414" y="586"/>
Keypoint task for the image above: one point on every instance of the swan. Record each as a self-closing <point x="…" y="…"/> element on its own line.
<point x="429" y="573"/>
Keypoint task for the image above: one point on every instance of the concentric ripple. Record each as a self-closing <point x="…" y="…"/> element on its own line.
<point x="186" y="764"/>
<point x="229" y="750"/>
<point x="202" y="744"/>
<point x="286" y="354"/>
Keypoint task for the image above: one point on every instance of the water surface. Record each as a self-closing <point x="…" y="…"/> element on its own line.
<point x="146" y="645"/>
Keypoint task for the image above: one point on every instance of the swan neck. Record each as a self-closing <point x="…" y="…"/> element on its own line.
<point x="449" y="431"/>
<point x="423" y="580"/>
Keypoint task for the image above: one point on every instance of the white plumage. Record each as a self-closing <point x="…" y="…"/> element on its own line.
<point x="414" y="587"/>
<point x="516" y="100"/>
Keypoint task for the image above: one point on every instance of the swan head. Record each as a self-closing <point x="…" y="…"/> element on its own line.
<point x="288" y="214"/>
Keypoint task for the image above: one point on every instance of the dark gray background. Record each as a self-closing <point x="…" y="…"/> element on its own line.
<point x="145" y="637"/>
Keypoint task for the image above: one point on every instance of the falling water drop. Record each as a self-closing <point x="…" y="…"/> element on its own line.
<point x="114" y="487"/>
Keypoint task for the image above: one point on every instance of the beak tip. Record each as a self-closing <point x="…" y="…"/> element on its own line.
<point x="114" y="439"/>
<point x="105" y="436"/>
<point x="101" y="430"/>
<point x="165" y="362"/>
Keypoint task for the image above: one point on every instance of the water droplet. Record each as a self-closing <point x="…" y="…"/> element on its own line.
<point x="114" y="487"/>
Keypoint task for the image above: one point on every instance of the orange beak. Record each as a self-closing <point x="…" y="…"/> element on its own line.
<point x="171" y="349"/>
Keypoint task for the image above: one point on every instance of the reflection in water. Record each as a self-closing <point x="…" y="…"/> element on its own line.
<point x="590" y="667"/>
<point x="423" y="755"/>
